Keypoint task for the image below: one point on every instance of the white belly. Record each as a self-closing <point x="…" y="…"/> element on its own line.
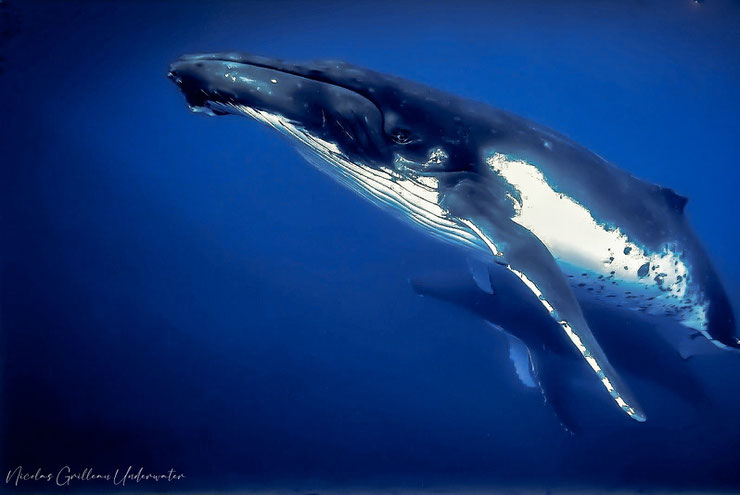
<point x="600" y="260"/>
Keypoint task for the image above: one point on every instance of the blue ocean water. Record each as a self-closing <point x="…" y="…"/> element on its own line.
<point x="182" y="292"/>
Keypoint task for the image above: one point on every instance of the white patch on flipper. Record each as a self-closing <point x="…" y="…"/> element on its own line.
<point x="519" y="355"/>
<point x="576" y="239"/>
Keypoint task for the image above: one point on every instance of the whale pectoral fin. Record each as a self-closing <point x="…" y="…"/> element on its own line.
<point x="555" y="378"/>
<point x="520" y="358"/>
<point x="527" y="257"/>
<point x="481" y="275"/>
<point x="535" y="366"/>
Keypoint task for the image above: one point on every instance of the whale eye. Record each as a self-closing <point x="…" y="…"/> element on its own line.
<point x="401" y="136"/>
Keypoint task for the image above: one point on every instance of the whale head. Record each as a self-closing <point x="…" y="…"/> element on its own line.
<point x="389" y="139"/>
<point x="368" y="116"/>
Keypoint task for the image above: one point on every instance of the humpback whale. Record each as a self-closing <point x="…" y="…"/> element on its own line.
<point x="566" y="222"/>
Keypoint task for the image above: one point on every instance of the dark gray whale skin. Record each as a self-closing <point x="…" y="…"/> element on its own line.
<point x="386" y="123"/>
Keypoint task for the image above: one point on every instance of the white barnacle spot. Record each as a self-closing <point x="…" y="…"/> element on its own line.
<point x="273" y="81"/>
<point x="403" y="163"/>
<point x="437" y="156"/>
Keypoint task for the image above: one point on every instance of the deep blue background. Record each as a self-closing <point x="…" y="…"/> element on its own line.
<point x="186" y="292"/>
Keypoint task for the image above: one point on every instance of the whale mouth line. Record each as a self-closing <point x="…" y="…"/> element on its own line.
<point x="265" y="63"/>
